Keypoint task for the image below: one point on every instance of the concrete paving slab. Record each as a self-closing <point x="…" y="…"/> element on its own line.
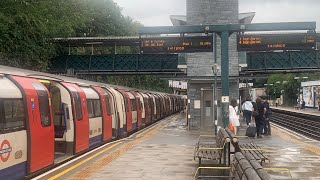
<point x="168" y="154"/>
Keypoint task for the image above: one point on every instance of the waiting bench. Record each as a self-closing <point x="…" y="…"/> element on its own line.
<point x="252" y="148"/>
<point x="240" y="169"/>
<point x="206" y="149"/>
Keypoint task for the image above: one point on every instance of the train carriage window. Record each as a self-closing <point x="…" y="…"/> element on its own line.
<point x="12" y="115"/>
<point x="126" y="103"/>
<point x="78" y="105"/>
<point x="77" y="102"/>
<point x="90" y="108"/>
<point x="44" y="109"/>
<point x="133" y="104"/>
<point x="109" y="105"/>
<point x="97" y="108"/>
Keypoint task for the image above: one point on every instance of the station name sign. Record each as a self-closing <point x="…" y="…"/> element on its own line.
<point x="177" y="44"/>
<point x="268" y="42"/>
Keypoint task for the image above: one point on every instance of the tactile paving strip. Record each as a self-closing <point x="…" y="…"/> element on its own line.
<point x="102" y="162"/>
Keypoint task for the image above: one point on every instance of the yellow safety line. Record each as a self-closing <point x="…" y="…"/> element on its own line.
<point x="253" y="149"/>
<point x="288" y="133"/>
<point x="82" y="162"/>
<point x="278" y="169"/>
<point x="206" y="136"/>
<point x="223" y="168"/>
<point x="209" y="148"/>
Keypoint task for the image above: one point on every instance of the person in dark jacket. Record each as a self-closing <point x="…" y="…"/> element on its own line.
<point x="267" y="127"/>
<point x="260" y="117"/>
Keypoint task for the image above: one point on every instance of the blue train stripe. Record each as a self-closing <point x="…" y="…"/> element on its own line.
<point x="95" y="140"/>
<point x="17" y="171"/>
<point x="134" y="126"/>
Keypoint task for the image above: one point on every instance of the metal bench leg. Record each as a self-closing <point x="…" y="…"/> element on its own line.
<point x="225" y="155"/>
<point x="199" y="161"/>
<point x="228" y="153"/>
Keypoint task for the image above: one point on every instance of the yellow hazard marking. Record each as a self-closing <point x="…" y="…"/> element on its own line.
<point x="313" y="148"/>
<point x="82" y="162"/>
<point x="104" y="161"/>
<point x="288" y="133"/>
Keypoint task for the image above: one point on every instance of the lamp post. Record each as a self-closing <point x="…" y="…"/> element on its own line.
<point x="215" y="96"/>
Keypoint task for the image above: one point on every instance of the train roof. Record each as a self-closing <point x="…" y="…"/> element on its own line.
<point x="52" y="77"/>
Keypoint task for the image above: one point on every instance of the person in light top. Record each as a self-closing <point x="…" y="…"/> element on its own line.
<point x="233" y="115"/>
<point x="247" y="108"/>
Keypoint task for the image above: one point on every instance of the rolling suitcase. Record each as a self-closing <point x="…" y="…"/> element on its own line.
<point x="251" y="131"/>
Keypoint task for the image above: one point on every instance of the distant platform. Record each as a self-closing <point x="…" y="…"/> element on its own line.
<point x="309" y="111"/>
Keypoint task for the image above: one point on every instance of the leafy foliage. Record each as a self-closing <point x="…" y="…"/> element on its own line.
<point x="26" y="25"/>
<point x="145" y="82"/>
<point x="289" y="84"/>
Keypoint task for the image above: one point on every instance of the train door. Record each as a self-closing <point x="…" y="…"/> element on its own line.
<point x="112" y="111"/>
<point x="141" y="109"/>
<point x="147" y="108"/>
<point x="127" y="104"/>
<point x="158" y="110"/>
<point x="154" y="107"/>
<point x="40" y="125"/>
<point x="63" y="120"/>
<point x="120" y="111"/>
<point x="106" y="110"/>
<point x="13" y="131"/>
<point x="134" y="110"/>
<point x="170" y="104"/>
<point x="95" y="116"/>
<point x="81" y="119"/>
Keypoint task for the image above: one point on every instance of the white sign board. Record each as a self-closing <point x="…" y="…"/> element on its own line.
<point x="225" y="99"/>
<point x="196" y="104"/>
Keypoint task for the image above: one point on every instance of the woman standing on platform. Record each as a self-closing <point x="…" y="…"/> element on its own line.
<point x="233" y="116"/>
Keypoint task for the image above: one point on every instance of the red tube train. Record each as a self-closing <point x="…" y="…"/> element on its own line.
<point x="45" y="118"/>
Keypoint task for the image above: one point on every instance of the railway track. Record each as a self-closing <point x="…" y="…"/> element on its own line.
<point x="305" y="124"/>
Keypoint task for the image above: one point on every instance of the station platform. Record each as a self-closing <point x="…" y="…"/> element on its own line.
<point x="164" y="151"/>
<point x="310" y="111"/>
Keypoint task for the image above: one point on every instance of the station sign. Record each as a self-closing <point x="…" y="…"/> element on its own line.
<point x="177" y="44"/>
<point x="269" y="42"/>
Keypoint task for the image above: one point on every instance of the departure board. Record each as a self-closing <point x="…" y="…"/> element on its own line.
<point x="176" y="44"/>
<point x="268" y="42"/>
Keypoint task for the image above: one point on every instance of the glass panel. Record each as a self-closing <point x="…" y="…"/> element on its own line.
<point x="44" y="109"/>
<point x="78" y="106"/>
<point x="13" y="114"/>
<point x="90" y="108"/>
<point x="97" y="108"/>
<point x="108" y="105"/>
<point x="133" y="104"/>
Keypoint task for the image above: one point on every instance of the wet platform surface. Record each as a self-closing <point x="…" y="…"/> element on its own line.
<point x="165" y="151"/>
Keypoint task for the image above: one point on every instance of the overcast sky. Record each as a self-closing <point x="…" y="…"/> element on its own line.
<point x="156" y="12"/>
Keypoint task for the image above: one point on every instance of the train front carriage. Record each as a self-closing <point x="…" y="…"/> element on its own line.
<point x="13" y="137"/>
<point x="40" y="128"/>
<point x="95" y="116"/>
